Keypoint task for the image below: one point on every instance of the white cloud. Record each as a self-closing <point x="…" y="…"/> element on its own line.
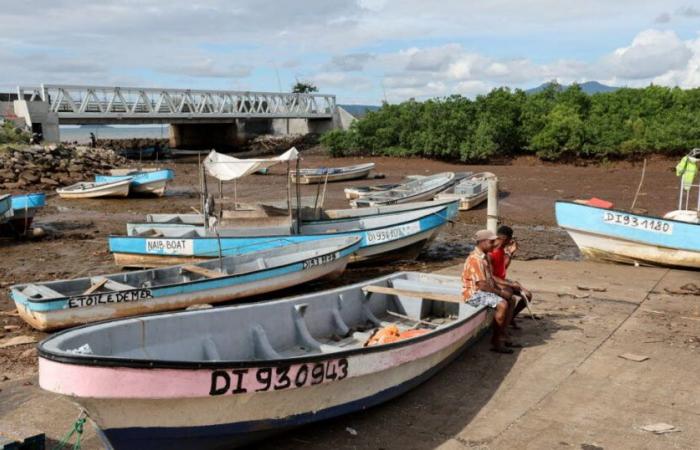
<point x="651" y="54"/>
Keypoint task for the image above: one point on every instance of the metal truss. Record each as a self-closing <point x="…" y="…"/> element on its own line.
<point x="101" y="102"/>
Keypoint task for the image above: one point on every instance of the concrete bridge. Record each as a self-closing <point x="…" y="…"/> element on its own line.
<point x="199" y="118"/>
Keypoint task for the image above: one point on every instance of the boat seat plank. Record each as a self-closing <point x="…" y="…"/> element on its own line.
<point x="117" y="286"/>
<point x="96" y="284"/>
<point x="452" y="298"/>
<point x="209" y="273"/>
<point x="43" y="291"/>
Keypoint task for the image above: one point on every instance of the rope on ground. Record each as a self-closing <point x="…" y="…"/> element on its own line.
<point x="77" y="430"/>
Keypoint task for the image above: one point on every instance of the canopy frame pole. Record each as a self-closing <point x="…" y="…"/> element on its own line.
<point x="289" y="194"/>
<point x="298" y="193"/>
<point x="221" y="199"/>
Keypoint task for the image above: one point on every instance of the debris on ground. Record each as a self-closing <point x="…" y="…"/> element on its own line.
<point x="633" y="357"/>
<point x="591" y="288"/>
<point x="660" y="428"/>
<point x="17" y="340"/>
<point x="351" y="431"/>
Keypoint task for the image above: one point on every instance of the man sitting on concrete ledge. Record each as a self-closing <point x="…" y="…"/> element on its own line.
<point x="479" y="289"/>
<point x="499" y="260"/>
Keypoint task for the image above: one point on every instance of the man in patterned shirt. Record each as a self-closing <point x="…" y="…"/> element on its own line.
<point x="479" y="288"/>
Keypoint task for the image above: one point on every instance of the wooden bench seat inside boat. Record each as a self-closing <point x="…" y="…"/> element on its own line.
<point x="208" y="273"/>
<point x="37" y="291"/>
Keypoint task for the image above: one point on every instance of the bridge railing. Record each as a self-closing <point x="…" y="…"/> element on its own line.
<point x="151" y="103"/>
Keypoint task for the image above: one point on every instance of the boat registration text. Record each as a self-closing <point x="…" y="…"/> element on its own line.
<point x="393" y="233"/>
<point x="170" y="246"/>
<point x="320" y="260"/>
<point x="640" y="223"/>
<point x="240" y="381"/>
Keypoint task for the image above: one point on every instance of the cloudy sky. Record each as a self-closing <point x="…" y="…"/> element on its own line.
<point x="363" y="51"/>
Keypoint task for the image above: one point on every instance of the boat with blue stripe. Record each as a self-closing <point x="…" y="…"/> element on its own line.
<point x="23" y="207"/>
<point x="65" y="303"/>
<point x="152" y="181"/>
<point x="385" y="236"/>
<point x="621" y="236"/>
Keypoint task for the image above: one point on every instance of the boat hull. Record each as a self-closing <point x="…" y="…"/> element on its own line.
<point x="618" y="236"/>
<point x="151" y="182"/>
<point x="271" y="281"/>
<point x="118" y="189"/>
<point x="223" y="421"/>
<point x="376" y="243"/>
<point x="465" y="203"/>
<point x="383" y="199"/>
<point x="316" y="179"/>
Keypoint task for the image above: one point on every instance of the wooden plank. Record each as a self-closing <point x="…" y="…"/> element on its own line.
<point x="203" y="271"/>
<point x="95" y="286"/>
<point x="409" y="293"/>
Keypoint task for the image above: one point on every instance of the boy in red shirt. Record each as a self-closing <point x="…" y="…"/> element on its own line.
<point x="499" y="259"/>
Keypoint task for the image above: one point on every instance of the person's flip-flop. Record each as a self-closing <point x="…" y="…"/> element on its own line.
<point x="503" y="350"/>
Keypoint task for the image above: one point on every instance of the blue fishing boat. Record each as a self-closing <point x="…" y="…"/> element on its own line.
<point x="5" y="208"/>
<point x="143" y="181"/>
<point x="65" y="303"/>
<point x="23" y="208"/>
<point x="383" y="236"/>
<point x="621" y="236"/>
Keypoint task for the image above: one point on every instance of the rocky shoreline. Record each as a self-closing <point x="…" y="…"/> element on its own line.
<point x="47" y="167"/>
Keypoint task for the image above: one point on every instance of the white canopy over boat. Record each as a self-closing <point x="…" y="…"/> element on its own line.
<point x="227" y="168"/>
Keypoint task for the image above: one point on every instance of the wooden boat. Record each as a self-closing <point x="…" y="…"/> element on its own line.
<point x="224" y="377"/>
<point x="150" y="182"/>
<point x="471" y="191"/>
<point x="314" y="176"/>
<point x="5" y="208"/>
<point x="416" y="190"/>
<point x="308" y="216"/>
<point x="620" y="236"/>
<point x="386" y="236"/>
<point x="87" y="189"/>
<point x="60" y="304"/>
<point x="24" y="207"/>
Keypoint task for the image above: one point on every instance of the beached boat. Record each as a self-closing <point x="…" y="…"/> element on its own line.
<point x="620" y="236"/>
<point x="470" y="191"/>
<point x="223" y="377"/>
<point x="142" y="181"/>
<point x="5" y="208"/>
<point x="385" y="236"/>
<point x="420" y="189"/>
<point x="88" y="189"/>
<point x="60" y="304"/>
<point x="331" y="174"/>
<point x="24" y="207"/>
<point x="354" y="192"/>
<point x="144" y="153"/>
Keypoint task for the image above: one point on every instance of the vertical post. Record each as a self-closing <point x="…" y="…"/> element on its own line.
<point x="492" y="205"/>
<point x="298" y="189"/>
<point x="289" y="194"/>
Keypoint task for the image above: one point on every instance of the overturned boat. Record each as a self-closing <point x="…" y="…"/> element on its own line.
<point x="65" y="303"/>
<point x="218" y="378"/>
<point x="143" y="181"/>
<point x="384" y="236"/>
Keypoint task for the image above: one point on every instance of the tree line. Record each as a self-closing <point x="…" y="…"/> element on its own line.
<point x="554" y="124"/>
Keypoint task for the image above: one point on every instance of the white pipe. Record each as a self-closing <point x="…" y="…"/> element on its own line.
<point x="492" y="205"/>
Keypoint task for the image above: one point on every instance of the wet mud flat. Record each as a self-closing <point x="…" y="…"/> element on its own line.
<point x="75" y="244"/>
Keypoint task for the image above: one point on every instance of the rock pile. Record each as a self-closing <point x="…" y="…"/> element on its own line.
<point x="278" y="144"/>
<point x="47" y="167"/>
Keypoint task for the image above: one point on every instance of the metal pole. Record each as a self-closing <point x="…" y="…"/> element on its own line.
<point x="289" y="193"/>
<point x="298" y="189"/>
<point x="492" y="205"/>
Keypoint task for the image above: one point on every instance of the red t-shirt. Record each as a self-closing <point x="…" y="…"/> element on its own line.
<point x="498" y="263"/>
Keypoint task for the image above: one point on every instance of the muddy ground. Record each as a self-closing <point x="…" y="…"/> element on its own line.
<point x="75" y="244"/>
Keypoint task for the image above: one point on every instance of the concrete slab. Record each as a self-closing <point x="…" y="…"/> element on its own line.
<point x="568" y="388"/>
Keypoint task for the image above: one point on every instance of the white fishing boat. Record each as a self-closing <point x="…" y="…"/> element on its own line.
<point x="331" y="174"/>
<point x="471" y="191"/>
<point x="91" y="189"/>
<point x="253" y="271"/>
<point x="420" y="189"/>
<point x="354" y="192"/>
<point x="223" y="377"/>
<point x="143" y="181"/>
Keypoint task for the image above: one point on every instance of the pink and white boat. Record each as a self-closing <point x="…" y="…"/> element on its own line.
<point x="223" y="377"/>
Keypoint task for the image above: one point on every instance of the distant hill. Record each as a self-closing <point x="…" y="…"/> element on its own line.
<point x="359" y="111"/>
<point x="589" y="87"/>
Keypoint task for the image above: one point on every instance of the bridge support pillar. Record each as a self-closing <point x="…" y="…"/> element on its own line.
<point x="38" y="119"/>
<point x="203" y="135"/>
<point x="301" y="126"/>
